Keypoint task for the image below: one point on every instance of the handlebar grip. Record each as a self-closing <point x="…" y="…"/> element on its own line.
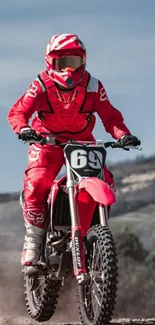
<point x="42" y="140"/>
<point x="37" y="138"/>
<point x="119" y="145"/>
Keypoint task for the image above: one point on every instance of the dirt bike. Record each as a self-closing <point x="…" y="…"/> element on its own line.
<point x="70" y="250"/>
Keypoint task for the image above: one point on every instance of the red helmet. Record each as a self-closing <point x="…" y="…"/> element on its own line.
<point x="65" y="59"/>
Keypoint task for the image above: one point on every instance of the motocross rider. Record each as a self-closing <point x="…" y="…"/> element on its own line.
<point x="64" y="98"/>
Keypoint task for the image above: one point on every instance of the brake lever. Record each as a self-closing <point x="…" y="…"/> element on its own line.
<point x="119" y="145"/>
<point x="125" y="148"/>
<point x="136" y="148"/>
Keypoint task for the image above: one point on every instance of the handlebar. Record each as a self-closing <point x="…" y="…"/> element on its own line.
<point x="51" y="139"/>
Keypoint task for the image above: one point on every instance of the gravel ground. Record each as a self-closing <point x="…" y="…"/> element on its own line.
<point x="12" y="306"/>
<point x="24" y="321"/>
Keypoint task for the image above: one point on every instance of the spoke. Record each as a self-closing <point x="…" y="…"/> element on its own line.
<point x="36" y="293"/>
<point x="93" y="256"/>
<point x="96" y="298"/>
<point x="92" y="289"/>
<point x="87" y="299"/>
<point x="40" y="283"/>
<point x="90" y="261"/>
<point x="98" y="253"/>
<point x="98" y="287"/>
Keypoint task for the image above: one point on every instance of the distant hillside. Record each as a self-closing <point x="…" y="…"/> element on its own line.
<point x="134" y="182"/>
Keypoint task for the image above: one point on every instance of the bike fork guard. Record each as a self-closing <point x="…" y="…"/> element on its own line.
<point x="78" y="251"/>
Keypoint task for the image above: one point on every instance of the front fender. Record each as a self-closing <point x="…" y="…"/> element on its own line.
<point x="100" y="191"/>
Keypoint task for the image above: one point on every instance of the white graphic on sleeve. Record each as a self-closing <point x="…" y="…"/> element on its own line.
<point x="29" y="186"/>
<point x="33" y="155"/>
<point x="32" y="91"/>
<point x="103" y="95"/>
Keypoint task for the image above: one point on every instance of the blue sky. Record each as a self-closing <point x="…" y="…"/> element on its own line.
<point x="120" y="40"/>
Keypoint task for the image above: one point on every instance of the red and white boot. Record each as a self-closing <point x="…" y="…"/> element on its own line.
<point x="32" y="244"/>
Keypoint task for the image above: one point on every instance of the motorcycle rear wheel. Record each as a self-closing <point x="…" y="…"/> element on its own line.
<point x="97" y="294"/>
<point x="41" y="296"/>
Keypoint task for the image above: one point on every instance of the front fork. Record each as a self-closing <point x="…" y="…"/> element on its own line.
<point x="103" y="215"/>
<point x="77" y="239"/>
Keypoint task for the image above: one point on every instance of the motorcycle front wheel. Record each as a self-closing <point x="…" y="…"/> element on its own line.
<point x="97" y="294"/>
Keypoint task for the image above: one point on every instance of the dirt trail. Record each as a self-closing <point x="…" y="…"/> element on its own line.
<point x="12" y="305"/>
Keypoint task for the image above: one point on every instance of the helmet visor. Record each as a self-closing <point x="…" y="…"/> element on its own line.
<point x="69" y="61"/>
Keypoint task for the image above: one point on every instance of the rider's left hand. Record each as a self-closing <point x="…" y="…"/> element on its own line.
<point x="130" y="140"/>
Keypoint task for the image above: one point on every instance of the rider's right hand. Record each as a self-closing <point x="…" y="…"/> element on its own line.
<point x="28" y="134"/>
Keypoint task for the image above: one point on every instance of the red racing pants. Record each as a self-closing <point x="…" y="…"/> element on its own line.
<point x="44" y="163"/>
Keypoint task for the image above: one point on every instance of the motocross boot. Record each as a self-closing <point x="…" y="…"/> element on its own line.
<point x="32" y="247"/>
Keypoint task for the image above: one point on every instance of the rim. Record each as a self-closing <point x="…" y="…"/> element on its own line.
<point x="93" y="286"/>
<point x="35" y="285"/>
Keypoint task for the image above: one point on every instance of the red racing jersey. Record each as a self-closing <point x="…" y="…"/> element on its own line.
<point x="67" y="113"/>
